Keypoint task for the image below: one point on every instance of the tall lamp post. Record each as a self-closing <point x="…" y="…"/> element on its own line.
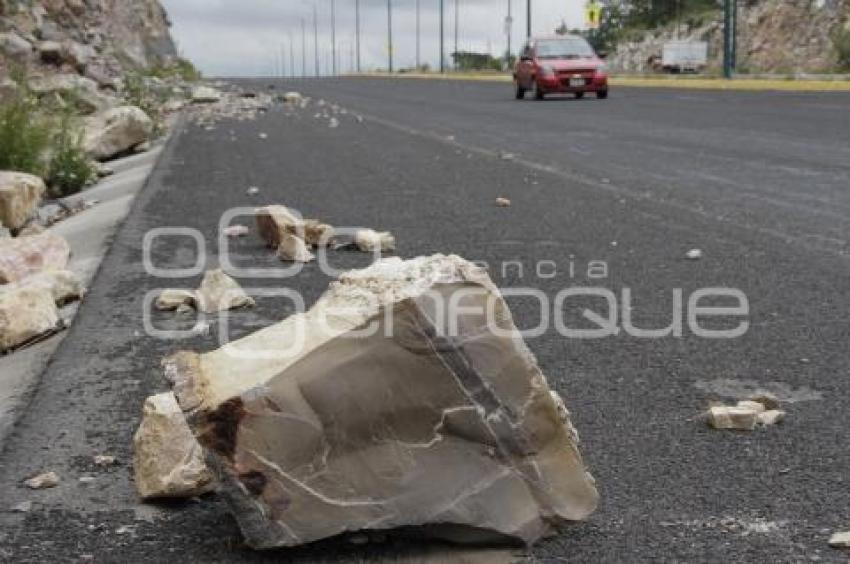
<point x="528" y="19"/>
<point x="357" y="30"/>
<point x="333" y="37"/>
<point x="316" y="36"/>
<point x="442" y="36"/>
<point x="390" y="33"/>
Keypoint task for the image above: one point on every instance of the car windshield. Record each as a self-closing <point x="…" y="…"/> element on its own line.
<point x="572" y="48"/>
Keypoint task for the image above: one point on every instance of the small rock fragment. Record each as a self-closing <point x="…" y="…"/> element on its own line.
<point x="23" y="507"/>
<point x="168" y="461"/>
<point x="104" y="460"/>
<point x="753" y="405"/>
<point x="333" y="123"/>
<point x="771" y="417"/>
<point x="840" y="540"/>
<point x="220" y="292"/>
<point x="42" y="481"/>
<point x="236" y="231"/>
<point x="294" y="249"/>
<point x="253" y="191"/>
<point x="369" y="241"/>
<point x="170" y="300"/>
<point x="205" y="95"/>
<point x="768" y="400"/>
<point x="503" y="202"/>
<point x="694" y="254"/>
<point x="293" y="98"/>
<point x="264" y="135"/>
<point x="732" y="418"/>
<point x="507" y="156"/>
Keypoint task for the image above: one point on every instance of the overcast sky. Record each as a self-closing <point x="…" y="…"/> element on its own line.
<point x="244" y="37"/>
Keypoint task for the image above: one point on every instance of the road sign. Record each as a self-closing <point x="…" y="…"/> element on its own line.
<point x="592" y="15"/>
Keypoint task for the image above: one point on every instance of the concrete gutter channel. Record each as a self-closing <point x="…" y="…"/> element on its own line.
<point x="89" y="234"/>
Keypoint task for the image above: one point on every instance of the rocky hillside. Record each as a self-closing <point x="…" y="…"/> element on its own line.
<point x="99" y="39"/>
<point x="774" y="36"/>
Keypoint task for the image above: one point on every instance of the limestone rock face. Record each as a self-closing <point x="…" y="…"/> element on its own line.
<point x="26" y="313"/>
<point x="168" y="461"/>
<point x="24" y="256"/>
<point x="382" y="407"/>
<point x="82" y="90"/>
<point x="220" y="292"/>
<point x="116" y="131"/>
<point x="20" y="195"/>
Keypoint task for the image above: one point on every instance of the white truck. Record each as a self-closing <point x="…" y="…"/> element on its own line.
<point x="684" y="56"/>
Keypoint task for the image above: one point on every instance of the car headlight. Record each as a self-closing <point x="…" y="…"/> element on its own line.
<point x="546" y="70"/>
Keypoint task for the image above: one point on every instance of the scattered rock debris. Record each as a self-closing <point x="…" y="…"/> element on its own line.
<point x="370" y="241"/>
<point x="503" y="202"/>
<point x="761" y="410"/>
<point x="253" y="191"/>
<point x="235" y="231"/>
<point x="220" y="292"/>
<point x="167" y="460"/>
<point x="104" y="460"/>
<point x="294" y="249"/>
<point x="694" y="254"/>
<point x="170" y="300"/>
<point x="43" y="481"/>
<point x="840" y="540"/>
<point x="22" y="507"/>
<point x="424" y="430"/>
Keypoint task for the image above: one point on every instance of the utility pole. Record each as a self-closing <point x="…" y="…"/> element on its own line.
<point x="457" y="26"/>
<point x="390" y="33"/>
<point x="442" y="36"/>
<point x="509" y="29"/>
<point x="528" y="18"/>
<point x="303" y="48"/>
<point x="291" y="56"/>
<point x="418" y="37"/>
<point x="727" y="39"/>
<point x="333" y="36"/>
<point x="357" y="30"/>
<point x="282" y="61"/>
<point x="735" y="14"/>
<point x="316" y="36"/>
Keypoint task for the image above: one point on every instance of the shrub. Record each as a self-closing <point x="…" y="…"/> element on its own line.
<point x="24" y="133"/>
<point x="842" y="47"/>
<point x="70" y="169"/>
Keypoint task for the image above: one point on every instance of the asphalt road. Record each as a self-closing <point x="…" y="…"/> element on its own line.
<point x="760" y="182"/>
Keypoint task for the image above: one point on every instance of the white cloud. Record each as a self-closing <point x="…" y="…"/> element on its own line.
<point x="245" y="37"/>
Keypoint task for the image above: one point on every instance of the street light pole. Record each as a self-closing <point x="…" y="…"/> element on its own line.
<point x="357" y="30"/>
<point x="509" y="27"/>
<point x="457" y="24"/>
<point x="528" y="19"/>
<point x="727" y="38"/>
<point x="291" y="56"/>
<point x="333" y="36"/>
<point x="442" y="36"/>
<point x="316" y="36"/>
<point x="303" y="48"/>
<point x="418" y="42"/>
<point x="390" y="33"/>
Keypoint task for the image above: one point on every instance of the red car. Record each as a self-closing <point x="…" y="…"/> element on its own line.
<point x="564" y="64"/>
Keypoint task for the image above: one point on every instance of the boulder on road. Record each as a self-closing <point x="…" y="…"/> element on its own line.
<point x="25" y="314"/>
<point x="167" y="461"/>
<point x="205" y="95"/>
<point x="20" y="195"/>
<point x="318" y="427"/>
<point x="116" y="131"/>
<point x="24" y="256"/>
<point x="293" y="98"/>
<point x="220" y="292"/>
<point x="275" y="223"/>
<point x="840" y="540"/>
<point x="171" y="300"/>
<point x="294" y="249"/>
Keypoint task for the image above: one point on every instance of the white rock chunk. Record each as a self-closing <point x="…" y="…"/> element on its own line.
<point x="63" y="285"/>
<point x="320" y="428"/>
<point x="20" y="195"/>
<point x="206" y="95"/>
<point x="116" y="131"/>
<point x="840" y="540"/>
<point x="171" y="299"/>
<point x="294" y="249"/>
<point x="220" y="292"/>
<point x="167" y="461"/>
<point x="368" y="241"/>
<point x="733" y="418"/>
<point x="43" y="481"/>
<point x="22" y="257"/>
<point x="25" y="314"/>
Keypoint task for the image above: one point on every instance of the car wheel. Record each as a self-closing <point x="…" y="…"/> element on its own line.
<point x="579" y="95"/>
<point x="520" y="91"/>
<point x="538" y="94"/>
<point x="602" y="94"/>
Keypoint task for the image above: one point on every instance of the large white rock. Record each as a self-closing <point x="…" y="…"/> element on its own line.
<point x="82" y="90"/>
<point x="433" y="419"/>
<point x="26" y="313"/>
<point x="20" y="195"/>
<point x="22" y="257"/>
<point x="167" y="460"/>
<point x="116" y="131"/>
<point x="15" y="46"/>
<point x="63" y="285"/>
<point x="276" y="223"/>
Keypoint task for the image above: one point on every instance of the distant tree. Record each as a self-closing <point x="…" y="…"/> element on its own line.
<point x="467" y="61"/>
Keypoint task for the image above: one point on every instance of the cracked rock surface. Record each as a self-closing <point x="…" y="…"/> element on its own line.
<point x="378" y="409"/>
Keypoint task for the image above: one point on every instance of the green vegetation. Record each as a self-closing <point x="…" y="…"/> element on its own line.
<point x="69" y="170"/>
<point x="468" y="61"/>
<point x="180" y="68"/>
<point x="44" y="140"/>
<point x="842" y="48"/>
